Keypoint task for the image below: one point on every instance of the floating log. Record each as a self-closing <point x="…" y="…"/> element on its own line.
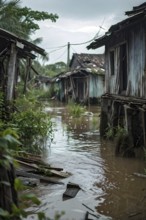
<point x="36" y="176"/>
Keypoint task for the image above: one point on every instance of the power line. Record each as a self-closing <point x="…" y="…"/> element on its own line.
<point x="73" y="49"/>
<point x="61" y="55"/>
<point x="52" y="51"/>
<point x="56" y="47"/>
<point x="74" y="44"/>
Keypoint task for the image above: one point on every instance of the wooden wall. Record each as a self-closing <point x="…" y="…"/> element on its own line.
<point x="135" y="40"/>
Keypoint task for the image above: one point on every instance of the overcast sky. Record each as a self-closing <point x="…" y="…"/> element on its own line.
<point x="79" y="21"/>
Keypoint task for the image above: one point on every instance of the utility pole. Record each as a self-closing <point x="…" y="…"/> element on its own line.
<point x="68" y="55"/>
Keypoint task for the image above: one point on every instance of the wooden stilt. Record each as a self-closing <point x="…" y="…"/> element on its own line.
<point x="11" y="72"/>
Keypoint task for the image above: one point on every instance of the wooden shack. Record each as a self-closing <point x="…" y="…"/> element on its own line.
<point x="43" y="82"/>
<point x="84" y="82"/>
<point x="12" y="50"/>
<point x="124" y="101"/>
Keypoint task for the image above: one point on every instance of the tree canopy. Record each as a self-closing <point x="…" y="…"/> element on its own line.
<point x="50" y="69"/>
<point x="22" y="21"/>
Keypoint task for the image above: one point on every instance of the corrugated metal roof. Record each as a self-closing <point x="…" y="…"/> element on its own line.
<point x="88" y="60"/>
<point x="86" y="64"/>
<point x="136" y="9"/>
<point x="137" y="14"/>
<point x="6" y="37"/>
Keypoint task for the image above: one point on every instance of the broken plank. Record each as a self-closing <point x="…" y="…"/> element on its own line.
<point x="71" y="191"/>
<point x="28" y="160"/>
<point x="42" y="178"/>
<point x="86" y="216"/>
<point x="26" y="154"/>
<point x="60" y="173"/>
<point x="27" y="164"/>
<point x="38" y="162"/>
<point x="88" y="207"/>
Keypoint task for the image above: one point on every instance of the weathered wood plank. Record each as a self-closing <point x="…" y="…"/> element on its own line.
<point x="27" y="164"/>
<point x="11" y="72"/>
<point x="38" y="162"/>
<point x="36" y="176"/>
<point x="60" y="173"/>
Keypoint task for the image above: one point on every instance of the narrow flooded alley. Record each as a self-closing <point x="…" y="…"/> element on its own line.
<point x="109" y="188"/>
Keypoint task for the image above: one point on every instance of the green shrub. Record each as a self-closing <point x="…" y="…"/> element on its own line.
<point x="109" y="132"/>
<point x="120" y="131"/>
<point x="75" y="109"/>
<point x="112" y="132"/>
<point x="33" y="127"/>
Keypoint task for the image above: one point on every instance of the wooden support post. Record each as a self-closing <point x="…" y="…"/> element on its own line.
<point x="128" y="120"/>
<point x="104" y="118"/>
<point x="27" y="73"/>
<point x="143" y="116"/>
<point x="88" y="86"/>
<point x="11" y="72"/>
<point x="72" y="86"/>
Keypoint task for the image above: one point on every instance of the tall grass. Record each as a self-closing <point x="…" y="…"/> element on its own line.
<point x="76" y="110"/>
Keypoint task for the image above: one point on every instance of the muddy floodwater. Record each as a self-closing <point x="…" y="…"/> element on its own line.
<point x="109" y="188"/>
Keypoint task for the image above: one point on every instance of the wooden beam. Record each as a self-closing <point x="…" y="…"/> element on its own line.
<point x="128" y="99"/>
<point x="11" y="72"/>
<point x="34" y="70"/>
<point x="27" y="73"/>
<point x="143" y="116"/>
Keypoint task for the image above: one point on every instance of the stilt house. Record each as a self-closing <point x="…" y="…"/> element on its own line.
<point x="84" y="82"/>
<point x="12" y="50"/>
<point x="124" y="101"/>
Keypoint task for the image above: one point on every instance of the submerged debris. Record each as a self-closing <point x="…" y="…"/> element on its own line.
<point x="71" y="191"/>
<point x="31" y="166"/>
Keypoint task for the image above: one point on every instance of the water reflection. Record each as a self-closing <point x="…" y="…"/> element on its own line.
<point x="125" y="193"/>
<point x="108" y="184"/>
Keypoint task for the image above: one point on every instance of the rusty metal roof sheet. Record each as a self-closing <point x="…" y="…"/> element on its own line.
<point x="86" y="64"/>
<point x="7" y="37"/>
<point x="85" y="60"/>
<point x="138" y="14"/>
<point x="136" y="9"/>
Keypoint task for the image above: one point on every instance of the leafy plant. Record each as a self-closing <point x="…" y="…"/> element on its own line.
<point x="75" y="109"/>
<point x="33" y="127"/>
<point x="115" y="132"/>
<point x="8" y="142"/>
<point x="109" y="132"/>
<point x="120" y="131"/>
<point x="22" y="21"/>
